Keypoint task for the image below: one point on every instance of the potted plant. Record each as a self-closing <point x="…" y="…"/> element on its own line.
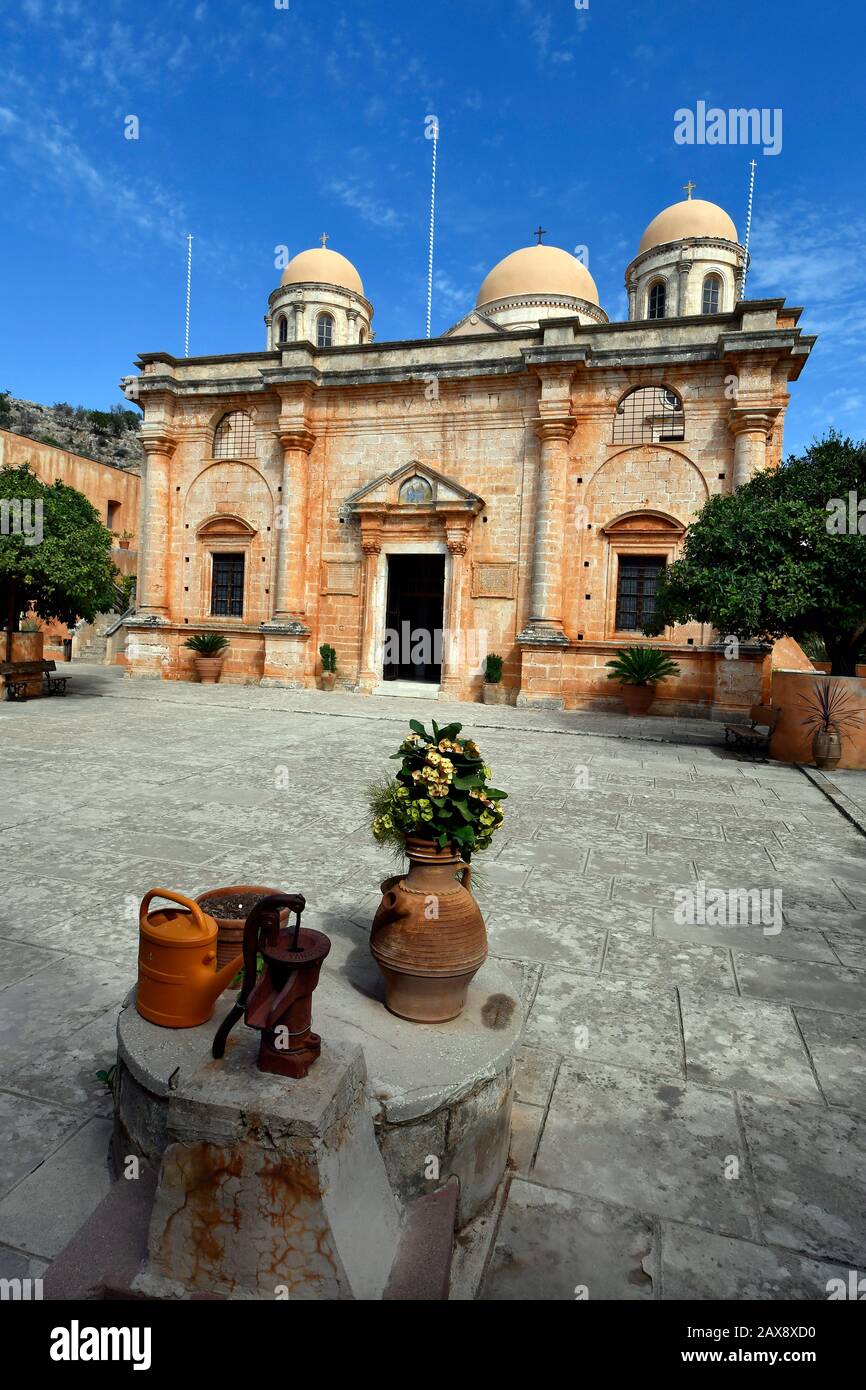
<point x="428" y="936"/>
<point x="209" y="652"/>
<point x="230" y="908"/>
<point x="638" y="669"/>
<point x="493" y="692"/>
<point x="123" y="538"/>
<point x="329" y="667"/>
<point x="832" y="715"/>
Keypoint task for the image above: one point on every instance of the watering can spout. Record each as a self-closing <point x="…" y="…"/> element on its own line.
<point x="223" y="978"/>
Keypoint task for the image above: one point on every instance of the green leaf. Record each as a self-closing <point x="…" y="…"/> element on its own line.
<point x="463" y="784"/>
<point x="436" y="734"/>
<point x="418" y="728"/>
<point x="495" y="794"/>
<point x="464" y="810"/>
<point x="442" y="842"/>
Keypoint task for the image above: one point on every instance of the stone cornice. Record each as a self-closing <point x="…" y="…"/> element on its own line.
<point x="290" y="293"/>
<point x="544" y="301"/>
<point x="753" y="418"/>
<point x="667" y="248"/>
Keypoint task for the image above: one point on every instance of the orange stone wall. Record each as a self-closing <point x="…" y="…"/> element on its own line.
<point x="792" y="743"/>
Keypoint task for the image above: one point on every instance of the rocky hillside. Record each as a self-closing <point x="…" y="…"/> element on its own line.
<point x="109" y="436"/>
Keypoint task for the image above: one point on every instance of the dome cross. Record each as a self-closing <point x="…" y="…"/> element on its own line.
<point x="688" y="188"/>
<point x="324" y="239"/>
<point x="540" y="232"/>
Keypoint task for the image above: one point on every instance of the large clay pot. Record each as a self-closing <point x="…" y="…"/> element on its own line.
<point x="827" y="749"/>
<point x="241" y="899"/>
<point x="494" y="693"/>
<point x="327" y="680"/>
<point x="209" y="669"/>
<point x="428" y="935"/>
<point x="637" y="698"/>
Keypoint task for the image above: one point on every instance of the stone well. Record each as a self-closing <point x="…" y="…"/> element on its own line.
<point x="439" y="1094"/>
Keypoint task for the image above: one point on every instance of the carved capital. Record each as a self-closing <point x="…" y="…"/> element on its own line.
<point x="757" y="419"/>
<point x="156" y="442"/>
<point x="549" y="427"/>
<point x="294" y="438"/>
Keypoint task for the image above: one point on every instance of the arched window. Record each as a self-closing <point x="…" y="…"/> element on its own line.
<point x="282" y="329"/>
<point x="324" y="331"/>
<point x="711" y="299"/>
<point x="657" y="300"/>
<point x="416" y="490"/>
<point x="649" y="415"/>
<point x="235" y="436"/>
<point x="362" y="335"/>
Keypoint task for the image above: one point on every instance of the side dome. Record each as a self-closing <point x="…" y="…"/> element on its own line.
<point x="319" y="266"/>
<point x="693" y="217"/>
<point x="538" y="270"/>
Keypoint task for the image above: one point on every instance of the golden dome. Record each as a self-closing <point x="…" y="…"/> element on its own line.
<point x="322" y="267"/>
<point x="691" y="217"/>
<point x="538" y="270"/>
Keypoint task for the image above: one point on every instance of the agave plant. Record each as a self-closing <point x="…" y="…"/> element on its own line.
<point x="830" y="706"/>
<point x="641" y="666"/>
<point x="207" y="643"/>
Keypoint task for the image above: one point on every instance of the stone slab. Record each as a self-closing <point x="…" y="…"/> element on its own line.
<point x="646" y="1144"/>
<point x="745" y="1045"/>
<point x="554" y="1246"/>
<point x="810" y="1174"/>
<point x="700" y="1265"/>
<point x="32" y="1219"/>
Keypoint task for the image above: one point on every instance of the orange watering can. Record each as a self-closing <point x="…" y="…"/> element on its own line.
<point x="178" y="982"/>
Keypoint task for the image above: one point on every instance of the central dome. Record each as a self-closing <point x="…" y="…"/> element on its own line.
<point x="693" y="217"/>
<point x="533" y="270"/>
<point x="319" y="266"/>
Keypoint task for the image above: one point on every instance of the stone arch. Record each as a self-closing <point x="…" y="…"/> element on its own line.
<point x="646" y="477"/>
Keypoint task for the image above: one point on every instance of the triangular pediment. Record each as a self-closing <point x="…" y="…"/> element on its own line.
<point x="396" y="490"/>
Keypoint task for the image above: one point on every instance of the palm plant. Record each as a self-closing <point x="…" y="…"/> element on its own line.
<point x="831" y="707"/>
<point x="641" y="666"/>
<point x="207" y="643"/>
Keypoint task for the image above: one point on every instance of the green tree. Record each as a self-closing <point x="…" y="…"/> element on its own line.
<point x="57" y="561"/>
<point x="780" y="556"/>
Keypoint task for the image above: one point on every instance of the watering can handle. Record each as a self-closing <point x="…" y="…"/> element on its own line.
<point x="193" y="907"/>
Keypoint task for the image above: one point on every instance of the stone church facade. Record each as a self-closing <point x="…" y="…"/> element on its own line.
<point x="514" y="486"/>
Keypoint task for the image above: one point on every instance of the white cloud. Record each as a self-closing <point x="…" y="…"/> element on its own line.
<point x="361" y="200"/>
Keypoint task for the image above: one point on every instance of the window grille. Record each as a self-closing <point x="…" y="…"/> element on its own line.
<point x="657" y="302"/>
<point x="324" y="331"/>
<point x="711" y="295"/>
<point x="235" y="437"/>
<point x="649" y="415"/>
<point x="227" y="597"/>
<point x="636" y="590"/>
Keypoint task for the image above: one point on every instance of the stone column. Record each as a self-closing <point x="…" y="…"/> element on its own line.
<point x="291" y="577"/>
<point x="545" y="607"/>
<point x="455" y="645"/>
<point x="751" y="427"/>
<point x="683" y="268"/>
<point x="154" y="538"/>
<point x="370" y="674"/>
<point x="631" y="286"/>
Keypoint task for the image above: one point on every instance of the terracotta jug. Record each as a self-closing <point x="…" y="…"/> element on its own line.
<point x="178" y="982"/>
<point x="428" y="936"/>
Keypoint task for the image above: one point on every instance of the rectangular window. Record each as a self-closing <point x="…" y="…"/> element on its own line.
<point x="636" y="590"/>
<point x="227" y="597"/>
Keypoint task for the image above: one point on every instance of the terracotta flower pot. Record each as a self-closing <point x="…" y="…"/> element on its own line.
<point x="124" y="545"/>
<point x="327" y="680"/>
<point x="209" y="669"/>
<point x="428" y="936"/>
<point x="494" y="693"/>
<point x="827" y="749"/>
<point x="230" y="908"/>
<point x="637" y="698"/>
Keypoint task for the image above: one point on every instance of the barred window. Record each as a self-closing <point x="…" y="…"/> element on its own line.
<point x="712" y="295"/>
<point x="649" y="415"/>
<point x="235" y="436"/>
<point x="227" y="592"/>
<point x="324" y="331"/>
<point x="657" y="300"/>
<point x="636" y="590"/>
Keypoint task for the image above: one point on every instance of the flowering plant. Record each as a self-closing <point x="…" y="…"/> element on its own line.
<point x="441" y="793"/>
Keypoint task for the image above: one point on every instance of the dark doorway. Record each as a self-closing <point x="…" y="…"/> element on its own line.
<point x="413" y="623"/>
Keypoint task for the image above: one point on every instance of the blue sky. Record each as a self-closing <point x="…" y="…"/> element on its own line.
<point x="262" y="126"/>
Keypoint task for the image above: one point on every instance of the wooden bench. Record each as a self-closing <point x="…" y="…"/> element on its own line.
<point x="17" y="675"/>
<point x="754" y="738"/>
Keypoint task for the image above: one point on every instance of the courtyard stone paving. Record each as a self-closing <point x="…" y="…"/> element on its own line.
<point x="690" y="1119"/>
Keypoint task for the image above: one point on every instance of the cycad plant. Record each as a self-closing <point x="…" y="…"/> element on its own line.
<point x="831" y="708"/>
<point x="207" y="643"/>
<point x="641" y="666"/>
<point x="493" y="669"/>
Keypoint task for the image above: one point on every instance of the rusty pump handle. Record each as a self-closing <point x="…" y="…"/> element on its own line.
<point x="274" y="902"/>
